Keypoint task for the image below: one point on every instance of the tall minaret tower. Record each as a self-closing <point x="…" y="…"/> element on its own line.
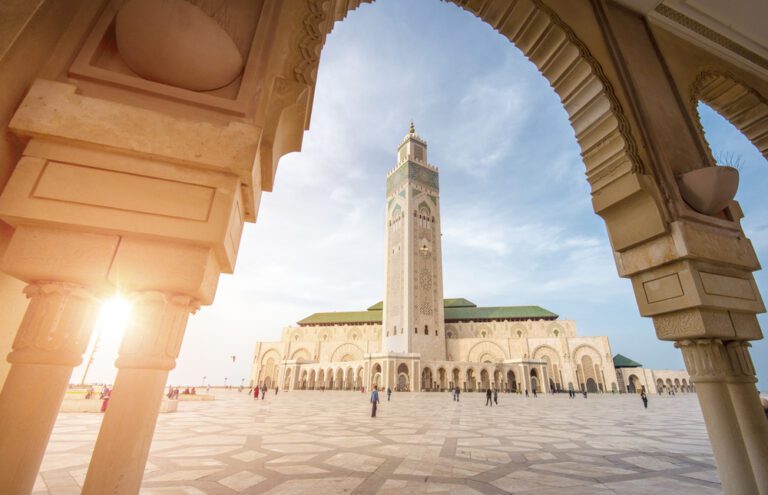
<point x="414" y="319"/>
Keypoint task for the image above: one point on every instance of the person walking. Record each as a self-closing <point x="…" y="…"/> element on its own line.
<point x="374" y="400"/>
<point x="488" y="400"/>
<point x="534" y="391"/>
<point x="458" y="393"/>
<point x="389" y="394"/>
<point x="644" y="397"/>
<point x="263" y="392"/>
<point x="496" y="396"/>
<point x="277" y="389"/>
<point x="526" y="392"/>
<point x="453" y="392"/>
<point x="256" y="392"/>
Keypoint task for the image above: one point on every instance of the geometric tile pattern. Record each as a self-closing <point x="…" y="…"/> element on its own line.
<point x="326" y="442"/>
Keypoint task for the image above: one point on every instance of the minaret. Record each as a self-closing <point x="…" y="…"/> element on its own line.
<point x="413" y="299"/>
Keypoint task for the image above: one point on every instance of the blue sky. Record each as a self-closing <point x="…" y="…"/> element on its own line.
<point x="518" y="225"/>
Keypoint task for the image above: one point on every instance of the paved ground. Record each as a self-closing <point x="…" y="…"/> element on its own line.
<point x="325" y="442"/>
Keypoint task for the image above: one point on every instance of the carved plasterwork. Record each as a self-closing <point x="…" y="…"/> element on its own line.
<point x="153" y="337"/>
<point x="56" y="326"/>
<point x="712" y="360"/>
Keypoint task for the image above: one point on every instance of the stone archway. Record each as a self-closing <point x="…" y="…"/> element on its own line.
<point x="403" y="378"/>
<point x="636" y="212"/>
<point x="741" y="105"/>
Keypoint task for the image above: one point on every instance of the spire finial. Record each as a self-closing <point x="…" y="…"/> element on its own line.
<point x="412" y="130"/>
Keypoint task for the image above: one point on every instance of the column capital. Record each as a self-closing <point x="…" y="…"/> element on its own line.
<point x="712" y="360"/>
<point x="153" y="337"/>
<point x="57" y="324"/>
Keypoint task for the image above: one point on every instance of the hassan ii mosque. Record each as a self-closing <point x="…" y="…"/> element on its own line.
<point x="415" y="340"/>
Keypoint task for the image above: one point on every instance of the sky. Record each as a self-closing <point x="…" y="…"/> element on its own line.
<point x="518" y="225"/>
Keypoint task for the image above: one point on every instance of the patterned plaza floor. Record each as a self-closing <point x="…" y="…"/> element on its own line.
<point x="326" y="442"/>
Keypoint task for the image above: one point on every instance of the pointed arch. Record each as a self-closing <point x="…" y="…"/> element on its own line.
<point x="486" y="349"/>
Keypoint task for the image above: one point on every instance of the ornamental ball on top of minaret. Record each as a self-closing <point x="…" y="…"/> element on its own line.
<point x="412" y="135"/>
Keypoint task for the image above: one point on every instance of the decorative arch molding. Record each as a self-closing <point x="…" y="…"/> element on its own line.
<point x="735" y="101"/>
<point x="485" y="348"/>
<point x="272" y="353"/>
<point x="518" y="330"/>
<point x="347" y="349"/>
<point x="546" y="350"/>
<point x="583" y="349"/>
<point x="602" y="129"/>
<point x="302" y="353"/>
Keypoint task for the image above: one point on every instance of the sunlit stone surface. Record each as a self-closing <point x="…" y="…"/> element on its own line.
<point x="326" y="442"/>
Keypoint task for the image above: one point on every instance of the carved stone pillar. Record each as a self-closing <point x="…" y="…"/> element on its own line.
<point x="710" y="364"/>
<point x="749" y="412"/>
<point x="50" y="342"/>
<point x="148" y="352"/>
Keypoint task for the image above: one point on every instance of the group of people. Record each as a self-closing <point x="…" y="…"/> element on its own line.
<point x="261" y="390"/>
<point x="173" y="392"/>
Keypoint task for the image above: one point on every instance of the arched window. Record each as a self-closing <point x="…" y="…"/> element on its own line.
<point x="426" y="330"/>
<point x="416" y="331"/>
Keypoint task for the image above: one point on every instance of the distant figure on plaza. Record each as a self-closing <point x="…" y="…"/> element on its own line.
<point x="89" y="392"/>
<point x="277" y="389"/>
<point x="496" y="396"/>
<point x="488" y="397"/>
<point x="526" y="392"/>
<point x="263" y="392"/>
<point x="584" y="391"/>
<point x="256" y="392"/>
<point x="457" y="394"/>
<point x="533" y="389"/>
<point x="374" y="400"/>
<point x="644" y="397"/>
<point x="389" y="394"/>
<point x="106" y="394"/>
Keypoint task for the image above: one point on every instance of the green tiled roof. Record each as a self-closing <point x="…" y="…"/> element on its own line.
<point x="620" y="361"/>
<point x="347" y="317"/>
<point x="499" y="313"/>
<point x="455" y="310"/>
<point x="458" y="303"/>
<point x="448" y="303"/>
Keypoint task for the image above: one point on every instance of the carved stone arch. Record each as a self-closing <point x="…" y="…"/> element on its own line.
<point x="302" y="353"/>
<point x="485" y="348"/>
<point x="583" y="349"/>
<point x="347" y="349"/>
<point x="546" y="350"/>
<point x="736" y="102"/>
<point x="602" y="129"/>
<point x="272" y="353"/>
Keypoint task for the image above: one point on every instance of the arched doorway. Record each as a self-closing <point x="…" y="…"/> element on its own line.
<point x="470" y="384"/>
<point x="456" y="374"/>
<point x="376" y="376"/>
<point x="403" y="380"/>
<point x="634" y="384"/>
<point x="287" y="381"/>
<point x="592" y="385"/>
<point x="485" y="382"/>
<point x="511" y="381"/>
<point x="535" y="380"/>
<point x="312" y="377"/>
<point x="426" y="379"/>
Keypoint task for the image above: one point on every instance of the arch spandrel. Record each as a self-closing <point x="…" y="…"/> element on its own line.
<point x="486" y="348"/>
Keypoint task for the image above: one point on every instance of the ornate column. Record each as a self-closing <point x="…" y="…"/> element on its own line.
<point x="710" y="364"/>
<point x="752" y="422"/>
<point x="148" y="352"/>
<point x="50" y="342"/>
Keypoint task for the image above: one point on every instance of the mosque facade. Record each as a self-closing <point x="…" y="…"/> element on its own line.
<point x="415" y="339"/>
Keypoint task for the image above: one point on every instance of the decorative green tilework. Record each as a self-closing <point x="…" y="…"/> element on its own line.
<point x="413" y="172"/>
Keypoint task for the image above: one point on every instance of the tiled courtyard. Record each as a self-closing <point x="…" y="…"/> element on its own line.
<point x="326" y="442"/>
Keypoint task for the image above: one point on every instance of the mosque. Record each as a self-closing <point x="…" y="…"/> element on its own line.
<point x="415" y="340"/>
